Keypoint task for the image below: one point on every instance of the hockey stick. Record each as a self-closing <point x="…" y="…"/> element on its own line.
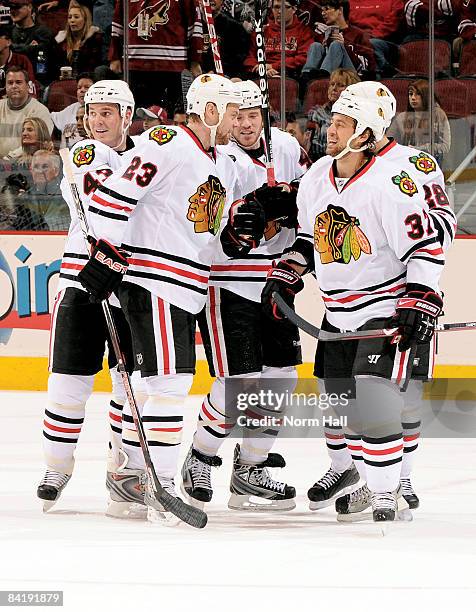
<point x="365" y="334"/>
<point x="213" y="36"/>
<point x="188" y="514"/>
<point x="263" y="85"/>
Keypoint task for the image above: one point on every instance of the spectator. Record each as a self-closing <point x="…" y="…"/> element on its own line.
<point x="383" y="21"/>
<point x="45" y="194"/>
<point x="466" y="17"/>
<point x="298" y="39"/>
<point x="74" y="132"/>
<point x="297" y="128"/>
<point x="30" y="38"/>
<point x="180" y="117"/>
<point x="412" y="127"/>
<point x="17" y="106"/>
<point x="417" y="16"/>
<point x="8" y="58"/>
<point x="81" y="43"/>
<point x="319" y="117"/>
<point x="14" y="215"/>
<point x="154" y="115"/>
<point x="34" y="136"/>
<point x="342" y="46"/>
<point x="233" y="42"/>
<point x="66" y="118"/>
<point x="163" y="39"/>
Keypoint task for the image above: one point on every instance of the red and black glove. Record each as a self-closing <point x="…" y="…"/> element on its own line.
<point x="282" y="279"/>
<point x="104" y="271"/>
<point x="415" y="317"/>
<point x="244" y="229"/>
<point x="278" y="202"/>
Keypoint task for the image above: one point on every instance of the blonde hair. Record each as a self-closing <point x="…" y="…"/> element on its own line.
<point x="348" y="75"/>
<point x="43" y="140"/>
<point x="76" y="42"/>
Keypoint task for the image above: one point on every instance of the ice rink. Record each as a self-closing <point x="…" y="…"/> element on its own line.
<point x="240" y="561"/>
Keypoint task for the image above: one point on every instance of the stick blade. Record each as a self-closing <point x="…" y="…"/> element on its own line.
<point x="186" y="513"/>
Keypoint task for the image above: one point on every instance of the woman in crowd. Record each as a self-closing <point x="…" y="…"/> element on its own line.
<point x="411" y="128"/>
<point x="34" y="136"/>
<point x="81" y="43"/>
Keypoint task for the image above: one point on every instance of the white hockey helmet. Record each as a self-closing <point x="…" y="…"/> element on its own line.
<point x="368" y="113"/>
<point x="251" y="94"/>
<point x="376" y="91"/>
<point x="111" y="92"/>
<point x="216" y="89"/>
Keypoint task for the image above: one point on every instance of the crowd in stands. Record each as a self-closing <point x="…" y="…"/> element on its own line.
<point x="51" y="52"/>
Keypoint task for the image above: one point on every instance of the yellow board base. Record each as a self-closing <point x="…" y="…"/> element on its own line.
<point x="31" y="374"/>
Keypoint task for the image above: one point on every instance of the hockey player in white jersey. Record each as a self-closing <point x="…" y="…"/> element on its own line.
<point x="377" y="259"/>
<point x="165" y="208"/>
<point x="78" y="329"/>
<point x="238" y="340"/>
<point x="430" y="184"/>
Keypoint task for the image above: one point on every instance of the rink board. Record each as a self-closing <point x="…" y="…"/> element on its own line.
<point x="29" y="268"/>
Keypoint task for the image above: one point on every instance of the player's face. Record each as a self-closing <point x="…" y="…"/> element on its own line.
<point x="250" y="125"/>
<point x="105" y="123"/>
<point x="227" y="124"/>
<point x="338" y="133"/>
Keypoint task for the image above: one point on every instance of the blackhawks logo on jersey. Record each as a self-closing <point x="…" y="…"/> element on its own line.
<point x="405" y="183"/>
<point x="162" y="135"/>
<point x="84" y="155"/>
<point x="206" y="206"/>
<point x="423" y="163"/>
<point x="338" y="237"/>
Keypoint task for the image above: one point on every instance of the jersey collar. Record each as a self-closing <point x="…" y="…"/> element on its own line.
<point x="210" y="153"/>
<point x="388" y="147"/>
<point x="360" y="172"/>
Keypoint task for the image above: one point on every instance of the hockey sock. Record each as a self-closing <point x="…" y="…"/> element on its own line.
<point x="411" y="425"/>
<point x="336" y="442"/>
<point x="130" y="441"/>
<point x="380" y="404"/>
<point x="63" y="419"/>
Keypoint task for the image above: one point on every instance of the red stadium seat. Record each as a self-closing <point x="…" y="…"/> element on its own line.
<point x="413" y="58"/>
<point x="292" y="88"/>
<point x="453" y="97"/>
<point x="467" y="66"/>
<point x="399" y="88"/>
<point x="61" y="94"/>
<point x="316" y="94"/>
<point x="470" y="85"/>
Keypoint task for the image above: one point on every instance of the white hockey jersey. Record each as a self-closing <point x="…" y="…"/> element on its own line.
<point x="430" y="182"/>
<point x="370" y="236"/>
<point x="165" y="207"/>
<point x="246" y="276"/>
<point x="92" y="163"/>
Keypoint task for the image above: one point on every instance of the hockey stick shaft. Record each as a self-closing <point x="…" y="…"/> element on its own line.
<point x="213" y="36"/>
<point x="188" y="514"/>
<point x="366" y="334"/>
<point x="264" y="87"/>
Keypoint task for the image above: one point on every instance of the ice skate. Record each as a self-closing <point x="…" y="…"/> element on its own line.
<point x="409" y="494"/>
<point x="253" y="488"/>
<point x="155" y="511"/>
<point x="126" y="494"/>
<point x="352" y="504"/>
<point x="384" y="506"/>
<point x="331" y="486"/>
<point x="196" y="477"/>
<point x="50" y="488"/>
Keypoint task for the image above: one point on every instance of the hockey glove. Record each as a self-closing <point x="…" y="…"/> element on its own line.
<point x="278" y="202"/>
<point x="415" y="317"/>
<point x="282" y="279"/>
<point x="104" y="271"/>
<point x="247" y="221"/>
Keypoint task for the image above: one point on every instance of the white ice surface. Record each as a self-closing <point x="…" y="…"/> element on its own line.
<point x="240" y="561"/>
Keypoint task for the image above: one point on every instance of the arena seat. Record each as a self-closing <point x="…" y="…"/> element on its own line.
<point x="316" y="93"/>
<point x="453" y="97"/>
<point x="399" y="88"/>
<point x="470" y="85"/>
<point x="467" y="65"/>
<point x="292" y="89"/>
<point x="413" y="58"/>
<point x="61" y="94"/>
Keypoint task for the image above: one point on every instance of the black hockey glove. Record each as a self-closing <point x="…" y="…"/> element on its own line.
<point x="104" y="271"/>
<point x="247" y="222"/>
<point x="278" y="202"/>
<point x="282" y="279"/>
<point x="415" y="317"/>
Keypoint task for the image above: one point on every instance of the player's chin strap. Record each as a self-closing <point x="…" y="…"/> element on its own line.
<point x="349" y="149"/>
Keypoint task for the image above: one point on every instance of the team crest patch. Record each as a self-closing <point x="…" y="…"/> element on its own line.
<point x="150" y="18"/>
<point x="83" y="156"/>
<point x="338" y="237"/>
<point x="423" y="163"/>
<point x="206" y="206"/>
<point x="405" y="183"/>
<point x="162" y="135"/>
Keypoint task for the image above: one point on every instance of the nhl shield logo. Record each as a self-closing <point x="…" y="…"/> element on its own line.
<point x="83" y="156"/>
<point x="405" y="183"/>
<point x="423" y="163"/>
<point x="162" y="135"/>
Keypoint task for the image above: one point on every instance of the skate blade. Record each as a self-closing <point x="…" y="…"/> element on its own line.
<point x="126" y="510"/>
<point x="403" y="514"/>
<point x="196" y="503"/>
<point x="252" y="503"/>
<point x="159" y="517"/>
<point x="329" y="502"/>
<point x="48" y="504"/>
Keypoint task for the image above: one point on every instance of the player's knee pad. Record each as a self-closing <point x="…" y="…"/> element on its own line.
<point x="69" y="389"/>
<point x="173" y="386"/>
